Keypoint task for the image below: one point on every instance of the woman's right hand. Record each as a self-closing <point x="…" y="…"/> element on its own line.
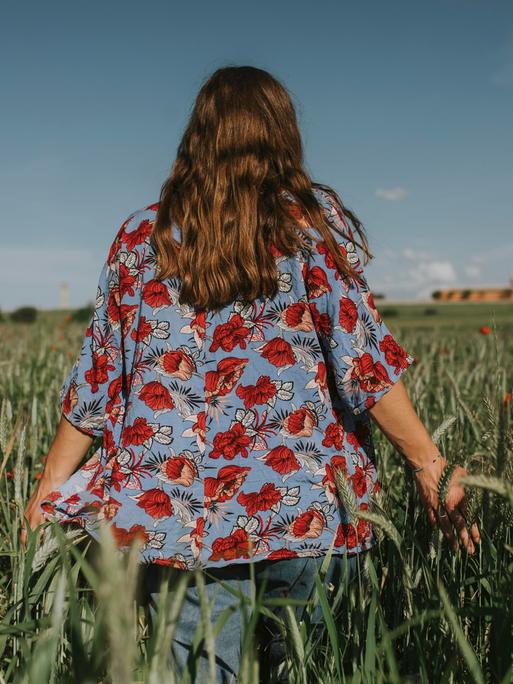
<point x="33" y="512"/>
<point x="455" y="504"/>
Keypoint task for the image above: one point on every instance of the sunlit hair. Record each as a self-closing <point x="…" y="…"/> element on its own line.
<point x="240" y="151"/>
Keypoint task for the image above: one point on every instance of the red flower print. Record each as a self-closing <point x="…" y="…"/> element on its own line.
<point x="155" y="503"/>
<point x="180" y="470"/>
<point x="230" y="334"/>
<point x="347" y="314"/>
<point x="99" y="373"/>
<point x="297" y="316"/>
<point x="200" y="426"/>
<point x="337" y="463"/>
<point x="197" y="533"/>
<point x="123" y="538"/>
<point x="143" y="331"/>
<point x="333" y="436"/>
<point x="70" y="399"/>
<point x="372" y="375"/>
<point x="358" y="481"/>
<point x="370" y="301"/>
<point x="230" y="443"/>
<point x="322" y="321"/>
<point x="282" y="460"/>
<point x="395" y="355"/>
<point x="177" y="364"/>
<point x="234" y="546"/>
<point x="126" y="315"/>
<point x="262" y="392"/>
<point x="316" y="281"/>
<point x="221" y="381"/>
<point x="308" y="525"/>
<point x="156" y="294"/>
<point x="263" y="500"/>
<point x="278" y="554"/>
<point x="322" y="248"/>
<point x="346" y="535"/>
<point x="224" y="487"/>
<point x="126" y="281"/>
<point x="138" y="236"/>
<point x="300" y="423"/>
<point x="278" y="352"/>
<point x="156" y="396"/>
<point x="137" y="433"/>
<point x="199" y="324"/>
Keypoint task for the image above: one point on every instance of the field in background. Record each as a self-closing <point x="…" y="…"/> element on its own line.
<point x="417" y="612"/>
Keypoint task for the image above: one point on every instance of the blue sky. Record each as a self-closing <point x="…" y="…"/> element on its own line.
<point x="406" y="108"/>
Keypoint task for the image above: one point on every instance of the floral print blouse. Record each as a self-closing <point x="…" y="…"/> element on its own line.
<point x="221" y="432"/>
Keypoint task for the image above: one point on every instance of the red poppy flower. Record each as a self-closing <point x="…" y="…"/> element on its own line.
<point x="262" y="392"/>
<point x="347" y="314"/>
<point x="333" y="436"/>
<point x="372" y="375"/>
<point x="485" y="330"/>
<point x="298" y="316"/>
<point x="156" y="503"/>
<point x="278" y="554"/>
<point x="230" y="334"/>
<point x="199" y="324"/>
<point x="221" y="381"/>
<point x="322" y="321"/>
<point x="224" y="486"/>
<point x="180" y="470"/>
<point x="308" y="525"/>
<point x="138" y="236"/>
<point x="282" y="460"/>
<point x="300" y="423"/>
<point x="316" y="281"/>
<point x="267" y="497"/>
<point x="156" y="396"/>
<point x="156" y="294"/>
<point x="99" y="373"/>
<point x="278" y="352"/>
<point x="358" y="481"/>
<point x="123" y="537"/>
<point x="395" y="355"/>
<point x="234" y="546"/>
<point x="199" y="427"/>
<point x="137" y="433"/>
<point x="126" y="281"/>
<point x="177" y="364"/>
<point x="143" y="330"/>
<point x="230" y="443"/>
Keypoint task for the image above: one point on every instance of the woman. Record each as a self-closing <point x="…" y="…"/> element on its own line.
<point x="231" y="367"/>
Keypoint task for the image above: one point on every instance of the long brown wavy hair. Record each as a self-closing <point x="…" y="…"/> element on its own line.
<point x="240" y="150"/>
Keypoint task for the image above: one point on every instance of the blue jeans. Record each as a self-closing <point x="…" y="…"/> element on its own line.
<point x="290" y="577"/>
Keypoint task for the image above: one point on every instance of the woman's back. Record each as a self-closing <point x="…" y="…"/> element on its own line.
<point x="221" y="430"/>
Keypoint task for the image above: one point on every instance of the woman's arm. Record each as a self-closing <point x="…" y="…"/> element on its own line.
<point x="397" y="419"/>
<point x="67" y="450"/>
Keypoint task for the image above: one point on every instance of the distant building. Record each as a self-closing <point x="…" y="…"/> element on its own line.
<point x="475" y="294"/>
<point x="64" y="295"/>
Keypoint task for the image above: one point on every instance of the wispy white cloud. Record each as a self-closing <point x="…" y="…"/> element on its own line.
<point x="472" y="271"/>
<point x="391" y="194"/>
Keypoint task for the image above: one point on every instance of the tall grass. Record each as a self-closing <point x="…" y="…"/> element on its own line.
<point x="414" y="612"/>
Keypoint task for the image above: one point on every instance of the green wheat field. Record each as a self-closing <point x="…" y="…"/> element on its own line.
<point x="415" y="612"/>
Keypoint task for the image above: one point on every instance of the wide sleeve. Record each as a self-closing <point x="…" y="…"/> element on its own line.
<point x="96" y="377"/>
<point x="361" y="353"/>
